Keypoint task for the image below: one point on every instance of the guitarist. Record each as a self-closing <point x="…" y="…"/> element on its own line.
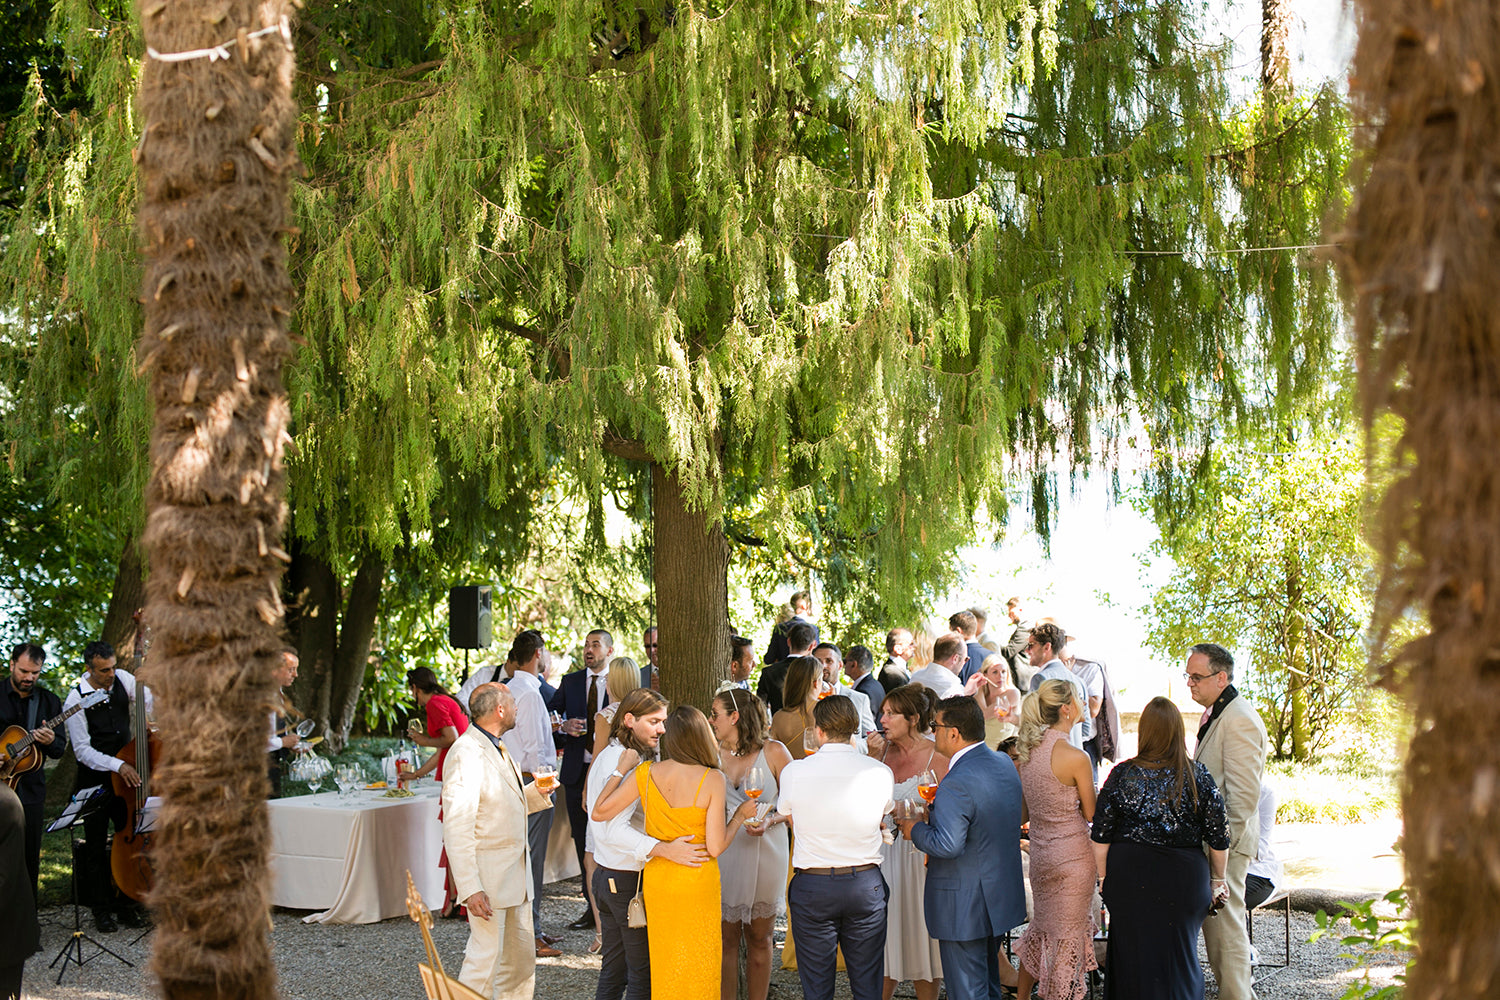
<point x="27" y="704"/>
<point x="97" y="734"/>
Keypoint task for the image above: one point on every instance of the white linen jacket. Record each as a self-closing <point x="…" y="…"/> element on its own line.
<point x="1234" y="751"/>
<point x="484" y="821"/>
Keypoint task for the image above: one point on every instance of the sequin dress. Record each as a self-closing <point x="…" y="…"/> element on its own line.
<point x="1058" y="945"/>
<point x="682" y="903"/>
<point x="752" y="870"/>
<point x="1156" y="878"/>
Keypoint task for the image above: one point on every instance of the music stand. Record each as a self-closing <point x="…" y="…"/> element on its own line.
<point x="81" y="804"/>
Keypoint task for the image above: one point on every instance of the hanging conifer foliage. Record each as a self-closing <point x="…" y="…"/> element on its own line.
<point x="215" y="155"/>
<point x="1424" y="261"/>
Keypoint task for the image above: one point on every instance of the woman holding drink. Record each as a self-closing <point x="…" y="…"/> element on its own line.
<point x="997" y="697"/>
<point x="446" y="722"/>
<point x="799" y="693"/>
<point x="910" y="952"/>
<point x="752" y="869"/>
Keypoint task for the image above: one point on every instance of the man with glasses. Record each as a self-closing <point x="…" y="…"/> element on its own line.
<point x="1232" y="745"/>
<point x="974" y="895"/>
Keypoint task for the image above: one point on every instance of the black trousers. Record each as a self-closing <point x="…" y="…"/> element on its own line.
<point x="34" y="824"/>
<point x="625" y="961"/>
<point x="10" y="981"/>
<point x="1257" y="891"/>
<point x="829" y="912"/>
<point x="96" y="886"/>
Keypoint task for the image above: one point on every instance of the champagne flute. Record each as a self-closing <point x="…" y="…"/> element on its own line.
<point x="927" y="786"/>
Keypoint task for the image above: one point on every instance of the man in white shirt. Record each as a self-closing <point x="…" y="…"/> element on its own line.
<point x="282" y="739"/>
<point x="621" y="850"/>
<point x="1042" y="649"/>
<point x="832" y="660"/>
<point x="949" y="654"/>
<point x="836" y="799"/>
<point x="97" y="734"/>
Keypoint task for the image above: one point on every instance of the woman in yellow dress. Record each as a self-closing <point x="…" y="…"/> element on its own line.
<point x="683" y="795"/>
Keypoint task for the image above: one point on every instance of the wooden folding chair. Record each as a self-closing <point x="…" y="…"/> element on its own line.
<point x="438" y="984"/>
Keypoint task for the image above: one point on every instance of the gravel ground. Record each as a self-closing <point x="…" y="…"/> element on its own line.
<point x="379" y="961"/>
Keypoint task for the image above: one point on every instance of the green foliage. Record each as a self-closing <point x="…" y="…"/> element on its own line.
<point x="859" y="276"/>
<point x="56" y="574"/>
<point x="1356" y="784"/>
<point x="1272" y="562"/>
<point x="1369" y="934"/>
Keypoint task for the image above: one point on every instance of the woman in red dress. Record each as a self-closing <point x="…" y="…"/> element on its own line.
<point x="446" y="722"/>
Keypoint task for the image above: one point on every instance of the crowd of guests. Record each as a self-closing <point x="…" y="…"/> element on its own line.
<point x="889" y="811"/>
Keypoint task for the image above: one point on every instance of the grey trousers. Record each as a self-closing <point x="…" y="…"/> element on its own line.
<point x="538" y="829"/>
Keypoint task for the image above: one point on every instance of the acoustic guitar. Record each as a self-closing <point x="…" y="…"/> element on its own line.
<point x="20" y="753"/>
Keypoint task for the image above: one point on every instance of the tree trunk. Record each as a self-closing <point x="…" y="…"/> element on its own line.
<point x="332" y="627"/>
<point x="127" y="597"/>
<point x="215" y="149"/>
<point x="1275" y="62"/>
<point x="1296" y="657"/>
<point x="1424" y="257"/>
<point x="690" y="575"/>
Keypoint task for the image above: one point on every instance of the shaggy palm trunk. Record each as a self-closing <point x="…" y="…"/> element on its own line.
<point x="214" y="158"/>
<point x="691" y="578"/>
<point x="1425" y="260"/>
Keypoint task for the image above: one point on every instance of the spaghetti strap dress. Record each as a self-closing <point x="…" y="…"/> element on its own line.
<point x="910" y="952"/>
<point x="682" y="904"/>
<point x="752" y="870"/>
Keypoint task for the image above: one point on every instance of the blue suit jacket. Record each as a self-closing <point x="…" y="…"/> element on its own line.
<point x="973" y="845"/>
<point x="571" y="700"/>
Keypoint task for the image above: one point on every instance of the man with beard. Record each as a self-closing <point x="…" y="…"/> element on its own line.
<point x="621" y="850"/>
<point x="580" y="697"/>
<point x="27" y="704"/>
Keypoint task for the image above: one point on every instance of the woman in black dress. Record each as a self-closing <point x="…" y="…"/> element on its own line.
<point x="1154" y="814"/>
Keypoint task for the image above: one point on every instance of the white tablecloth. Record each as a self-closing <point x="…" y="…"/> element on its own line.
<point x="349" y="859"/>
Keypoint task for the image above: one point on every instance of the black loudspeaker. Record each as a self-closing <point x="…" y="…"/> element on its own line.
<point x="470" y="621"/>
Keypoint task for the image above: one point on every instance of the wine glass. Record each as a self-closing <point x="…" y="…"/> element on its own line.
<point x="927" y="786"/>
<point x="810" y="740"/>
<point x="755" y="782"/>
<point x="317" y="770"/>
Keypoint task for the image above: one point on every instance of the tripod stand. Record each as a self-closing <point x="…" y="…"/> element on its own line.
<point x="83" y="802"/>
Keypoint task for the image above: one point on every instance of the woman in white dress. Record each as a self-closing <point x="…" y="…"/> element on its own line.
<point x="752" y="869"/>
<point x="910" y="952"/>
<point x="623" y="677"/>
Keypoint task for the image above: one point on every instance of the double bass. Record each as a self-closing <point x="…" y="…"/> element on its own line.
<point x="129" y="858"/>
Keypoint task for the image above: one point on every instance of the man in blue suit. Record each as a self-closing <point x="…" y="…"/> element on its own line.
<point x="972" y="841"/>
<point x="580" y="696"/>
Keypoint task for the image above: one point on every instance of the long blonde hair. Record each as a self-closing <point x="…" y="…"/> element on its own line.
<point x="1040" y="712"/>
<point x="624" y="677"/>
<point x="921" y="648"/>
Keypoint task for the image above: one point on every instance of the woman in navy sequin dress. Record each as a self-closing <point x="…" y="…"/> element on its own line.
<point x="1155" y="813"/>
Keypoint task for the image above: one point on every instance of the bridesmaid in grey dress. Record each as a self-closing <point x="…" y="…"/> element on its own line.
<point x="752" y="869"/>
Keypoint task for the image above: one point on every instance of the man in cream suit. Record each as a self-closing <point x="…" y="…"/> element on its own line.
<point x="485" y="806"/>
<point x="1232" y="745"/>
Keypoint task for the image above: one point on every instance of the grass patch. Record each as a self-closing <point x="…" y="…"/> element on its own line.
<point x="1349" y="785"/>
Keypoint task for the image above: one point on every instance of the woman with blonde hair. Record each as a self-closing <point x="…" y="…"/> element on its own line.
<point x="997" y="697"/>
<point x="804" y="678"/>
<point x="921" y="650"/>
<point x="1156" y="811"/>
<point x="1057" y="949"/>
<point x="752" y="869"/>
<point x="683" y="795"/>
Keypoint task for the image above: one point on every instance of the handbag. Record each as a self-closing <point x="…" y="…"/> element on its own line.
<point x="635" y="913"/>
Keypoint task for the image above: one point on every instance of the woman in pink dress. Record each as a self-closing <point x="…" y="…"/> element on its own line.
<point x="1057" y="948"/>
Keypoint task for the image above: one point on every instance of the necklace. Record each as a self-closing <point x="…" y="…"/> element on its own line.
<point x="737" y="752"/>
